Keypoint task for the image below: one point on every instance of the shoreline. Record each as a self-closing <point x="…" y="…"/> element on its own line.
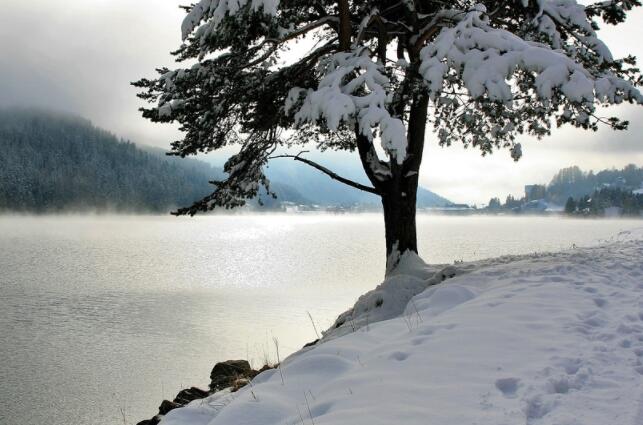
<point x="229" y="375"/>
<point x="434" y="313"/>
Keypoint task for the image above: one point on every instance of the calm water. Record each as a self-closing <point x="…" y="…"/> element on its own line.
<point x="104" y="316"/>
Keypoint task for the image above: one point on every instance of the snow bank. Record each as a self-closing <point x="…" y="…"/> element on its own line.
<point x="549" y="339"/>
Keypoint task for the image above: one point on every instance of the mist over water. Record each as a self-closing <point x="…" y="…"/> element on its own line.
<point x="105" y="313"/>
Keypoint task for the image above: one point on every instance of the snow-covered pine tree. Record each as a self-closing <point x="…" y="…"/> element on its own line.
<point x="268" y="75"/>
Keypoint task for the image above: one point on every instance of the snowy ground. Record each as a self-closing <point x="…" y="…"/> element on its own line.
<point x="548" y="339"/>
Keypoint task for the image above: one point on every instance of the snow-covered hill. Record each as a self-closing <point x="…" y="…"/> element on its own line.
<point x="546" y="339"/>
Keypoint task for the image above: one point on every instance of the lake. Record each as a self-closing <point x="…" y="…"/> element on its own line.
<point x="102" y="317"/>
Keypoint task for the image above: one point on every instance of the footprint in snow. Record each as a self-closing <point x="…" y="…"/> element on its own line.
<point x="556" y="279"/>
<point x="537" y="408"/>
<point x="564" y="384"/>
<point x="429" y="330"/>
<point x="399" y="356"/>
<point x="419" y="341"/>
<point x="508" y="386"/>
<point x="571" y="366"/>
<point x="600" y="302"/>
<point x="558" y="386"/>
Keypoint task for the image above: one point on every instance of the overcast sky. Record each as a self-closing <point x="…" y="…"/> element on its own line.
<point x="79" y="56"/>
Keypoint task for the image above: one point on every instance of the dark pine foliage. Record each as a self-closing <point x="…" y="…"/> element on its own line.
<point x="573" y="182"/>
<point x="55" y="163"/>
<point x="629" y="203"/>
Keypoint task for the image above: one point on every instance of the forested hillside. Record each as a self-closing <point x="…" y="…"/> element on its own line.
<point x="584" y="193"/>
<point x="51" y="162"/>
<point x="575" y="182"/>
<point x="55" y="163"/>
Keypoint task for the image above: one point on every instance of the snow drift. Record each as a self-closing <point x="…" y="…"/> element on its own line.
<point x="547" y="339"/>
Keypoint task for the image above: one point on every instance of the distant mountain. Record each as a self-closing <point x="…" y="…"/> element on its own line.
<point x="322" y="190"/>
<point x="51" y="162"/>
<point x="284" y="193"/>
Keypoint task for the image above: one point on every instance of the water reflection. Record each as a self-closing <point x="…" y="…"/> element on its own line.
<point x="103" y="313"/>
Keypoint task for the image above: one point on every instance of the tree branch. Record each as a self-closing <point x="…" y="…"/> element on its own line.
<point x="328" y="172"/>
<point x="378" y="172"/>
<point x="603" y="5"/>
<point x="276" y="43"/>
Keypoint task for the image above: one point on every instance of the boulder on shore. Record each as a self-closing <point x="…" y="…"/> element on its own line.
<point x="233" y="374"/>
<point x="224" y="374"/>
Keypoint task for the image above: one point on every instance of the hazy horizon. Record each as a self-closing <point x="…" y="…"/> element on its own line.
<point x="71" y="59"/>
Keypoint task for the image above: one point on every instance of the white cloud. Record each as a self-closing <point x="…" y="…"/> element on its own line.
<point x="80" y="56"/>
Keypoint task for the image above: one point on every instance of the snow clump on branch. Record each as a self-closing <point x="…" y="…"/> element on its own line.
<point x="487" y="58"/>
<point x="213" y="11"/>
<point x="354" y="88"/>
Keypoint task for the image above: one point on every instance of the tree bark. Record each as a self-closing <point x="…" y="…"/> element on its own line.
<point x="397" y="184"/>
<point x="344" y="25"/>
<point x="399" y="197"/>
<point x="399" y="219"/>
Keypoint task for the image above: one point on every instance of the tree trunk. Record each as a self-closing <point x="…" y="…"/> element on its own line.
<point x="344" y="25"/>
<point x="400" y="196"/>
<point x="399" y="219"/>
<point x="399" y="191"/>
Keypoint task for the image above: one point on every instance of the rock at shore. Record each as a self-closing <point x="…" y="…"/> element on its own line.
<point x="232" y="374"/>
<point x="225" y="374"/>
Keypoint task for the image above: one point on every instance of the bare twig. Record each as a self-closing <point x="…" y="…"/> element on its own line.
<point x="313" y="322"/>
<point x="416" y="310"/>
<point x="123" y="414"/>
<point x="276" y="341"/>
<point x="310" y="413"/>
<point x="301" y="418"/>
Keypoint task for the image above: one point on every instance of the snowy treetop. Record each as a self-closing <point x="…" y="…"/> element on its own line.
<point x="376" y="72"/>
<point x="214" y="11"/>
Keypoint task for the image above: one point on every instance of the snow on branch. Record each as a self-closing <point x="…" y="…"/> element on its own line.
<point x="488" y="57"/>
<point x="481" y="78"/>
<point x="354" y="88"/>
<point x="214" y="11"/>
<point x="245" y="178"/>
<point x="612" y="11"/>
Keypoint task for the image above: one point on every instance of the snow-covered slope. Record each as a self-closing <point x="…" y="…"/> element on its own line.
<point x="552" y="339"/>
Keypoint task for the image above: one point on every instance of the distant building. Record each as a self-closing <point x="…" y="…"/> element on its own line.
<point x="457" y="207"/>
<point x="613" y="212"/>
<point x="289" y="207"/>
<point x="535" y="206"/>
<point x="534" y="192"/>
